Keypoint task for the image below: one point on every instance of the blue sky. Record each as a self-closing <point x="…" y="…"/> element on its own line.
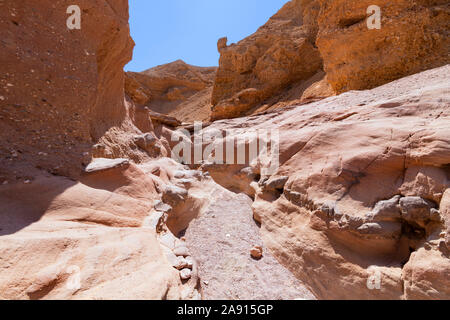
<point x="168" y="30"/>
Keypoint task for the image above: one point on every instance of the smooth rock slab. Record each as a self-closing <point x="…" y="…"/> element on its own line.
<point x="102" y="164"/>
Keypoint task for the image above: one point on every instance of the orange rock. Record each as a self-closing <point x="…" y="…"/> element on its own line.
<point x="256" y="252"/>
<point x="412" y="38"/>
<point x="280" y="54"/>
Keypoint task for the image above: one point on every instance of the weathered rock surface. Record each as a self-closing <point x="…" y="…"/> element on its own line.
<point x="280" y="54"/>
<point x="176" y="89"/>
<point x="92" y="208"/>
<point x="368" y="179"/>
<point x="62" y="239"/>
<point x="282" y="64"/>
<point x="413" y="38"/>
<point x="62" y="104"/>
<point x="62" y="91"/>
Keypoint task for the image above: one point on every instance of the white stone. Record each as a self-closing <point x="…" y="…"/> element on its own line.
<point x="185" y="274"/>
<point x="168" y="240"/>
<point x="189" y="262"/>
<point x="181" y="263"/>
<point x="101" y="164"/>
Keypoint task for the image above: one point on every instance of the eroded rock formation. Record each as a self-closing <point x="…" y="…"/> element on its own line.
<point x="274" y="67"/>
<point x="176" y="89"/>
<point x="93" y="207"/>
<point x="61" y="89"/>
<point x="361" y="191"/>
<point x="413" y="37"/>
<point x="72" y="226"/>
<point x="280" y="54"/>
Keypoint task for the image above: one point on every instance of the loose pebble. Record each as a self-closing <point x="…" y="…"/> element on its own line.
<point x="181" y="263"/>
<point x="185" y="274"/>
<point x="189" y="262"/>
<point x="256" y="252"/>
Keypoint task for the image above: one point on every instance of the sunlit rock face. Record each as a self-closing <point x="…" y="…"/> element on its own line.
<point x="93" y="207"/>
<point x="71" y="230"/>
<point x="281" y="53"/>
<point x="413" y="37"/>
<point x="358" y="208"/>
<point x="283" y="62"/>
<point x="177" y="89"/>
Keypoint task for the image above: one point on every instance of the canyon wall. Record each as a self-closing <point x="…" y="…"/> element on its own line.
<point x="71" y="227"/>
<point x="176" y="89"/>
<point x="312" y="49"/>
<point x="358" y="208"/>
<point x="413" y="38"/>
<point x="281" y="53"/>
<point x="61" y="90"/>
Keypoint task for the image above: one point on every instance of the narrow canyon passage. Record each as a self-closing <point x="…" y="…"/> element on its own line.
<point x="220" y="240"/>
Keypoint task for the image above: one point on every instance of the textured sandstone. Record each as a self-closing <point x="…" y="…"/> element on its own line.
<point x="368" y="186"/>
<point x="413" y="37"/>
<point x="176" y="89"/>
<point x="63" y="103"/>
<point x="63" y="89"/>
<point x="280" y="54"/>
<point x="56" y="226"/>
<point x="282" y="64"/>
<point x="92" y="208"/>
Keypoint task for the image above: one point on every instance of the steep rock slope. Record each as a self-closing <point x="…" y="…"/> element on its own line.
<point x="61" y="90"/>
<point x="358" y="208"/>
<point x="176" y="89"/>
<point x="280" y="54"/>
<point x="274" y="67"/>
<point x="73" y="227"/>
<point x="414" y="36"/>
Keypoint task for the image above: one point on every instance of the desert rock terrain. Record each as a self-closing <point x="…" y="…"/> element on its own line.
<point x="176" y="89"/>
<point x="93" y="204"/>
